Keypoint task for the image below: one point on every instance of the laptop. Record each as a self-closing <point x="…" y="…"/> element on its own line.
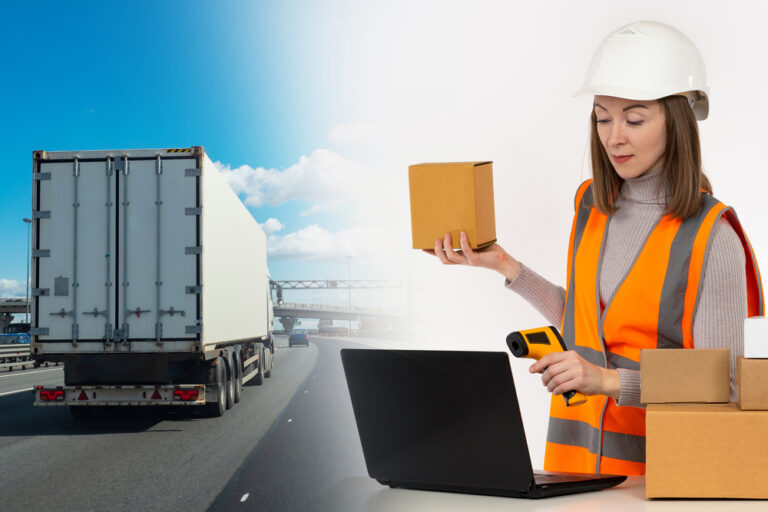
<point x="448" y="421"/>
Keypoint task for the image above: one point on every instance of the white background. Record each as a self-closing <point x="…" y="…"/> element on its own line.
<point x="414" y="82"/>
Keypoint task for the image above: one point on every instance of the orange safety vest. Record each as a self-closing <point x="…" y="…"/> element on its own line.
<point x="654" y="307"/>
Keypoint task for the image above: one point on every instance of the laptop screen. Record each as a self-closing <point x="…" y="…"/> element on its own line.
<point x="442" y="418"/>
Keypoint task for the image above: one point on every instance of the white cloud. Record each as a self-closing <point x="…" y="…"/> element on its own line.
<point x="324" y="178"/>
<point x="12" y="288"/>
<point x="328" y="182"/>
<point x="315" y="242"/>
<point x="272" y="225"/>
<point x="328" y="206"/>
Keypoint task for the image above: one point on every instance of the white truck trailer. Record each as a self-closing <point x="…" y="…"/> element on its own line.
<point x="149" y="281"/>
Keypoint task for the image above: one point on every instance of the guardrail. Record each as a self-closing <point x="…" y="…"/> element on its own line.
<point x="16" y="354"/>
<point x="324" y="307"/>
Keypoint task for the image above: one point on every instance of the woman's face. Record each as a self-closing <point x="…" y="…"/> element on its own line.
<point x="633" y="134"/>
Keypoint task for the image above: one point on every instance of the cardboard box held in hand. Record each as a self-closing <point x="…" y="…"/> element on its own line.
<point x="452" y="197"/>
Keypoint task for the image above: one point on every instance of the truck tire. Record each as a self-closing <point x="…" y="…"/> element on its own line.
<point x="230" y="375"/>
<point x="268" y="373"/>
<point x="238" y="380"/>
<point x="216" y="409"/>
<point x="259" y="378"/>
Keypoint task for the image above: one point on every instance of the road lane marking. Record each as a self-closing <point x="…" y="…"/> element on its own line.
<point x="245" y="497"/>
<point x="17" y="391"/>
<point x="30" y="373"/>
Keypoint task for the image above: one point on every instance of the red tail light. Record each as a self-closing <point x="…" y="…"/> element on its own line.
<point x="185" y="394"/>
<point x="51" y="395"/>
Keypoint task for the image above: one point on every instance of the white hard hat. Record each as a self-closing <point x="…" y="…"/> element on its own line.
<point x="648" y="60"/>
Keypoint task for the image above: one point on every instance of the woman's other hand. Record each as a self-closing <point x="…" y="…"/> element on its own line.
<point x="566" y="371"/>
<point x="493" y="257"/>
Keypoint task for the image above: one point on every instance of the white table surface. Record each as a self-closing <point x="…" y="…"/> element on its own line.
<point x="367" y="495"/>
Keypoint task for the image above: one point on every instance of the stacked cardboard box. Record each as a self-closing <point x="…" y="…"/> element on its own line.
<point x="697" y="444"/>
<point x="752" y="369"/>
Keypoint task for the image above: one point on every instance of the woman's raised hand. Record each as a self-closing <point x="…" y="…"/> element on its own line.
<point x="493" y="257"/>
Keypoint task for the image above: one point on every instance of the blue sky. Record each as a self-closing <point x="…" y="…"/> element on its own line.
<point x="236" y="77"/>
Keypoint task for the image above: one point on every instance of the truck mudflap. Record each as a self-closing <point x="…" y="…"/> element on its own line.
<point x="184" y="394"/>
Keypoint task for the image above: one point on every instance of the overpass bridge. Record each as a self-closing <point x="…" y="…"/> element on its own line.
<point x="9" y="307"/>
<point x="287" y="313"/>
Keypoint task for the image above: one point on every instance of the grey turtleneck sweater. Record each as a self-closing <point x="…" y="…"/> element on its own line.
<point x="719" y="321"/>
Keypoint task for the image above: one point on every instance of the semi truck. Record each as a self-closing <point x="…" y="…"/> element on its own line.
<point x="149" y="281"/>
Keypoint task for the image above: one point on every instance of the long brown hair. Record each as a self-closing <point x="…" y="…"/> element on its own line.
<point x="684" y="183"/>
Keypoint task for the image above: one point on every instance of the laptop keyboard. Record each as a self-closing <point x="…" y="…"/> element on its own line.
<point x="550" y="478"/>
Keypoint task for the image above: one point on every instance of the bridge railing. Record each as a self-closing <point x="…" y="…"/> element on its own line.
<point x="299" y="305"/>
<point x="16" y="354"/>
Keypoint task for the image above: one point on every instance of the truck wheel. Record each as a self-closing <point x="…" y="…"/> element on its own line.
<point x="216" y="409"/>
<point x="259" y="378"/>
<point x="238" y="381"/>
<point x="230" y="375"/>
<point x="268" y="373"/>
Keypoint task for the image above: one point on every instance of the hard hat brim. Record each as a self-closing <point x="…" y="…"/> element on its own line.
<point x="700" y="106"/>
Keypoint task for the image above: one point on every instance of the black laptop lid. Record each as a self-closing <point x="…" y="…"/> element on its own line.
<point x="439" y="418"/>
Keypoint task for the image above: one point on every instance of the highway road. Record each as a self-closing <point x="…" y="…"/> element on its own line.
<point x="168" y="461"/>
<point x="311" y="460"/>
<point x="21" y="381"/>
<point x="290" y="445"/>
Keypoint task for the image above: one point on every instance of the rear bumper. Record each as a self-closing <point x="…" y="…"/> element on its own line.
<point x="123" y="395"/>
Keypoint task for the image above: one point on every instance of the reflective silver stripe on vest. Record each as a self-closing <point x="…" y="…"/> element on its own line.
<point x="614" y="360"/>
<point x="624" y="446"/>
<point x="593" y="356"/>
<point x="672" y="304"/>
<point x="584" y="209"/>
<point x="617" y="361"/>
<point x="615" y="445"/>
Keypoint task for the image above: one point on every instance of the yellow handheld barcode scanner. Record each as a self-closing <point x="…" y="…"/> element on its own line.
<point x="535" y="344"/>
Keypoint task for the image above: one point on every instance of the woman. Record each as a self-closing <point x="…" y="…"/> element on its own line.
<point x="654" y="260"/>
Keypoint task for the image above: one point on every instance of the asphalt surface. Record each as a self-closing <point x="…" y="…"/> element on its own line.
<point x="22" y="381"/>
<point x="160" y="460"/>
<point x="290" y="445"/>
<point x="311" y="460"/>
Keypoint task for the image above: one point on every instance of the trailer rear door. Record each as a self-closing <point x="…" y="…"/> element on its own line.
<point x="116" y="250"/>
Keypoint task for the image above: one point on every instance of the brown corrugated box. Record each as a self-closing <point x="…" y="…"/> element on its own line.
<point x="706" y="451"/>
<point x="452" y="197"/>
<point x="752" y="379"/>
<point x="685" y="375"/>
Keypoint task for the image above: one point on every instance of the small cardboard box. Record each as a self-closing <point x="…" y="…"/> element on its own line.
<point x="752" y="379"/>
<point x="452" y="197"/>
<point x="685" y="375"/>
<point x="756" y="337"/>
<point x="705" y="451"/>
